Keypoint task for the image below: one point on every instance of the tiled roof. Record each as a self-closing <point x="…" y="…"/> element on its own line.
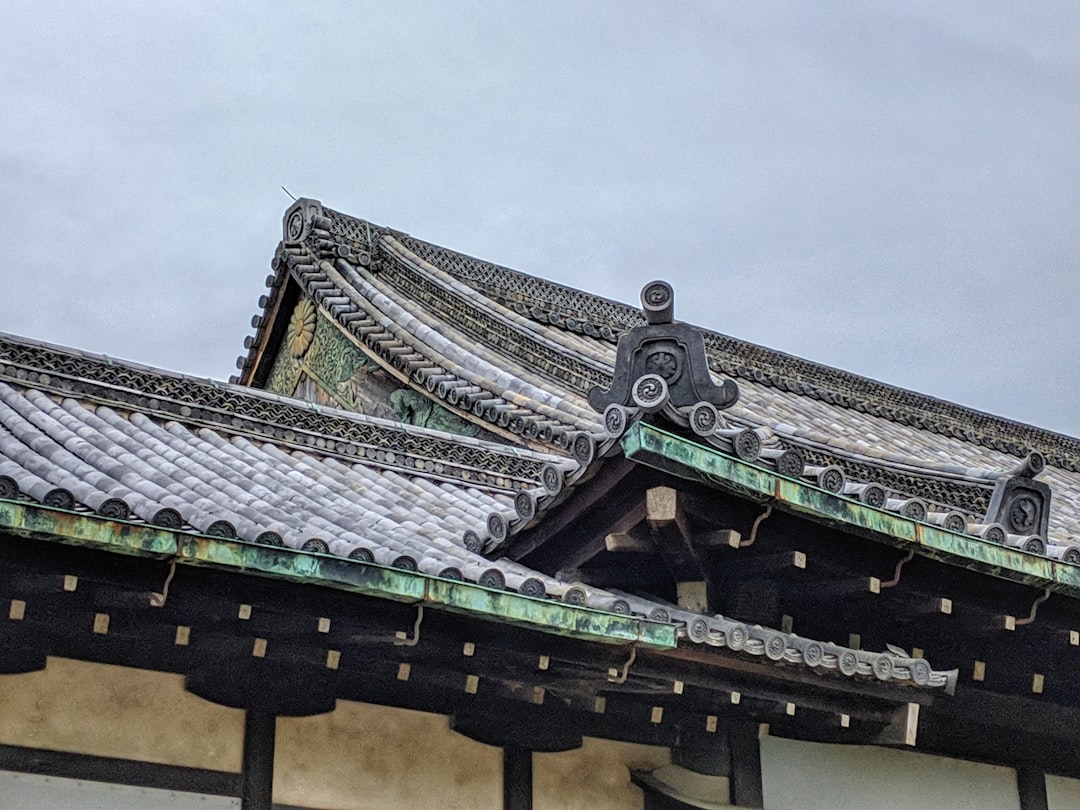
<point x="521" y="354"/>
<point x="129" y="443"/>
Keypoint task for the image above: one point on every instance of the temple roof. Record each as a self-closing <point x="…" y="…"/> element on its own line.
<point x="518" y="355"/>
<point x="129" y="444"/>
<point x="535" y="390"/>
<point x="418" y="426"/>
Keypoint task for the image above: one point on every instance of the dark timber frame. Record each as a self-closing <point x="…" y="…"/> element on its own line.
<point x="517" y="778"/>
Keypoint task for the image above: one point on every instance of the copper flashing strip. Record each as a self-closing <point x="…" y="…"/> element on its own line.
<point x="658" y="448"/>
<point x="126" y="537"/>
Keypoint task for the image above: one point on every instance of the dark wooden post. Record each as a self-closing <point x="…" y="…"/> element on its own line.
<point x="257" y="773"/>
<point x="746" y="767"/>
<point x="517" y="778"/>
<point x="1031" y="785"/>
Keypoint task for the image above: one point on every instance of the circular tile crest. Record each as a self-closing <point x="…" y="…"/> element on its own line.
<point x="849" y="662"/>
<point x="920" y="671"/>
<point x="1023" y="513"/>
<point x="664" y="363"/>
<point x="301" y="327"/>
<point x="294" y="228"/>
<point x="649" y="391"/>
<point x="737" y="636"/>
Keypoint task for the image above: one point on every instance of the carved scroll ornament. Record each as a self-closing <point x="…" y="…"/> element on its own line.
<point x="662" y="362"/>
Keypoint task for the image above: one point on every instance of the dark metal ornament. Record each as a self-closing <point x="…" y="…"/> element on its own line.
<point x="1019" y="502"/>
<point x="662" y="355"/>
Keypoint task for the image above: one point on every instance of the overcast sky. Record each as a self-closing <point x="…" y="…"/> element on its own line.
<point x="893" y="189"/>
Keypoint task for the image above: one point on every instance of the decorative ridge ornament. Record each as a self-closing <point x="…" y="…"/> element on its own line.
<point x="662" y="362"/>
<point x="1020" y="503"/>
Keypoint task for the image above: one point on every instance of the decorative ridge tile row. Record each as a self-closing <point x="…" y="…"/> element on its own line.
<point x="62" y="444"/>
<point x="988" y="516"/>
<point x="551" y="303"/>
<point x="317" y="262"/>
<point x="552" y="361"/>
<point x="268" y="416"/>
<point x="932" y="481"/>
<point x="929" y="489"/>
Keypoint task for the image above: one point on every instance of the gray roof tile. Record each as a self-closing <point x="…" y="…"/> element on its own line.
<point x="272" y="468"/>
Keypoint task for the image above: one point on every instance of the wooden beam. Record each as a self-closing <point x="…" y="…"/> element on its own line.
<point x="67" y="765"/>
<point x="904" y="728"/>
<point x="765" y="565"/>
<point x="512" y="727"/>
<point x="703" y="752"/>
<point x="581" y="538"/>
<point x="831" y="589"/>
<point x="639" y="571"/>
<point x="718" y="538"/>
<point x="671" y="534"/>
<point x="581" y="502"/>
<point x="637" y="540"/>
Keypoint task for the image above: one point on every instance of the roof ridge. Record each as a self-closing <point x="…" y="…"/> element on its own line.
<point x="550" y="302"/>
<point x="245" y="411"/>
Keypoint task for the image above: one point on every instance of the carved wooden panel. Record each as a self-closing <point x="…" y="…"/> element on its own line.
<point x="318" y="363"/>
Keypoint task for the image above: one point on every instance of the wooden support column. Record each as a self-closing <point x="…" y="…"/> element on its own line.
<point x="746" y="767"/>
<point x="1031" y="785"/>
<point x="257" y="775"/>
<point x="517" y="778"/>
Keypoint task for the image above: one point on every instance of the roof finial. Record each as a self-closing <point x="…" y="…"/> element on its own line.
<point x="662" y="362"/>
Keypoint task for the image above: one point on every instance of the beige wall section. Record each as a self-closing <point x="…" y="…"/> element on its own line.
<point x="118" y="712"/>
<point x="358" y="757"/>
<point x="808" y="776"/>
<point x="362" y="757"/>
<point x="1062" y="793"/>
<point x="595" y="776"/>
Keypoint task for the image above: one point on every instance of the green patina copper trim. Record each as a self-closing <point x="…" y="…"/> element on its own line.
<point x="657" y="448"/>
<point x="90" y="531"/>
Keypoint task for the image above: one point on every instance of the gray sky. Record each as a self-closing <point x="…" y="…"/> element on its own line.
<point x="893" y="189"/>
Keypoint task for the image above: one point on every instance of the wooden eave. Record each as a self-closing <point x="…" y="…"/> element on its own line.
<point x="659" y="448"/>
<point x="247" y="624"/>
<point x="370" y="579"/>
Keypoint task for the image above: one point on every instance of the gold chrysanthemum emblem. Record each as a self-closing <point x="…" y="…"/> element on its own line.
<point x="301" y="327"/>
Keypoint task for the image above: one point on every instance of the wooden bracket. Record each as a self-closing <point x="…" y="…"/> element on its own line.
<point x="904" y="727"/>
<point x="671" y="534"/>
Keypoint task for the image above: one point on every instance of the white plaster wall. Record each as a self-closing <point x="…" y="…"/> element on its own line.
<point x="363" y="757"/>
<point x="1062" y="793"/>
<point x="118" y="712"/>
<point x="595" y="776"/>
<point x="808" y="776"/>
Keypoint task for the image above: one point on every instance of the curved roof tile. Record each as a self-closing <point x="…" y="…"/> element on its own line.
<point x="197" y="455"/>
